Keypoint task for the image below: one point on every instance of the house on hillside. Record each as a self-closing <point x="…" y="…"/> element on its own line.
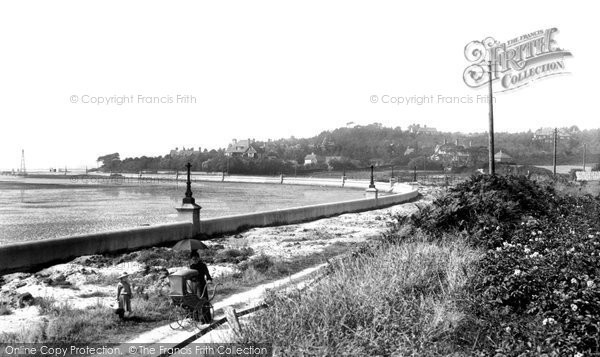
<point x="312" y="159"/>
<point x="244" y="148"/>
<point x="504" y="158"/>
<point x="547" y="134"/>
<point x="423" y="130"/>
<point x="450" y="154"/>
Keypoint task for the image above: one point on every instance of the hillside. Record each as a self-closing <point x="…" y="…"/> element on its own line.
<point x="361" y="146"/>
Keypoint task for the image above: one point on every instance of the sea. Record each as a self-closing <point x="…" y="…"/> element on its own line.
<point x="41" y="208"/>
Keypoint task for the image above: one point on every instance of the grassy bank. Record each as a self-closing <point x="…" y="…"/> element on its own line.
<point x="394" y="297"/>
<point x="498" y="266"/>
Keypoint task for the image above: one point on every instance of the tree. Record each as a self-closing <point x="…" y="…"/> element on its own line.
<point x="110" y="162"/>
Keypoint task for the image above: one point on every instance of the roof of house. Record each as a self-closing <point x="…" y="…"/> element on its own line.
<point x="502" y="156"/>
<point x="242" y="147"/>
<point x="310" y="157"/>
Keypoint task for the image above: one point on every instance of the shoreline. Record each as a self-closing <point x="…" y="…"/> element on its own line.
<point x="35" y="254"/>
<point x="125" y="179"/>
<point x="282" y="242"/>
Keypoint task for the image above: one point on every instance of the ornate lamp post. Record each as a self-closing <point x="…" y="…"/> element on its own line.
<point x="188" y="204"/>
<point x="372" y="190"/>
<point x="188" y="199"/>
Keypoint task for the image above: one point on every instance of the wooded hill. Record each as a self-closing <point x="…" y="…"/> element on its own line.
<point x="361" y="146"/>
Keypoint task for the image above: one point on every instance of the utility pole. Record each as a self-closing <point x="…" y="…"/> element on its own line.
<point x="492" y="164"/>
<point x="23" y="169"/>
<point x="554" y="160"/>
<point x="584" y="152"/>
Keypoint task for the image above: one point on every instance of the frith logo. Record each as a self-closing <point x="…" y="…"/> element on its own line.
<point x="515" y="63"/>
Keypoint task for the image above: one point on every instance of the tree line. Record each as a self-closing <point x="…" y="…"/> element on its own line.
<point x="360" y="146"/>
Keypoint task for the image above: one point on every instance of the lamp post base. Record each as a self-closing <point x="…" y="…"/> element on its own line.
<point x="371" y="192"/>
<point x="187" y="207"/>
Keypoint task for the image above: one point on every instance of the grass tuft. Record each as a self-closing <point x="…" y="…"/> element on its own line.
<point x="396" y="298"/>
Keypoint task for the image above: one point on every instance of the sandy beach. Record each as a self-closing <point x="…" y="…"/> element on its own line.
<point x="91" y="280"/>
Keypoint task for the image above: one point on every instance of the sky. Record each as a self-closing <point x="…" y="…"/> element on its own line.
<point x="264" y="69"/>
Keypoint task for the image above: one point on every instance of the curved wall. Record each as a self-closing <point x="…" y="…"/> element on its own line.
<point x="32" y="255"/>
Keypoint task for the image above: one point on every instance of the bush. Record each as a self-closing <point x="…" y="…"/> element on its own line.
<point x="536" y="290"/>
<point x="233" y="255"/>
<point x="159" y="256"/>
<point x="483" y="202"/>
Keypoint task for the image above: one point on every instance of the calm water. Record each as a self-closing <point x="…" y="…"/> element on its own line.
<point x="33" y="209"/>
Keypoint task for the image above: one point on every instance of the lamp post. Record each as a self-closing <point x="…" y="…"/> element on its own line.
<point x="188" y="199"/>
<point x="371" y="192"/>
<point x="188" y="204"/>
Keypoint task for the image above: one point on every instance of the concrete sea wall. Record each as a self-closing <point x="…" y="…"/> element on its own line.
<point x="31" y="255"/>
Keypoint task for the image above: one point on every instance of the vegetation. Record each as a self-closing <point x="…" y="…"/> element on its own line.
<point x="498" y="266"/>
<point x="360" y="146"/>
<point x="387" y="299"/>
<point x="95" y="323"/>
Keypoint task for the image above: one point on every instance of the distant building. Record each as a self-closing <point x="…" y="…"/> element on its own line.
<point x="504" y="158"/>
<point x="423" y="130"/>
<point x="244" y="148"/>
<point x="547" y="134"/>
<point x="451" y="154"/>
<point x="312" y="159"/>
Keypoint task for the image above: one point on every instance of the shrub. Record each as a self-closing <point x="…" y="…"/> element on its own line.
<point x="233" y="255"/>
<point x="160" y="256"/>
<point x="482" y="203"/>
<point x="536" y="289"/>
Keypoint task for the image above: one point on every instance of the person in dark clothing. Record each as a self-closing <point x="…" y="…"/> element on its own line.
<point x="204" y="278"/>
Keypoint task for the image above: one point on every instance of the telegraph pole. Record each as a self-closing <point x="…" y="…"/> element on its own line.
<point x="554" y="161"/>
<point x="584" y="152"/>
<point x="492" y="166"/>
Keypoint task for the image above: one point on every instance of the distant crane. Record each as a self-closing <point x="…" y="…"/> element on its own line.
<point x="23" y="170"/>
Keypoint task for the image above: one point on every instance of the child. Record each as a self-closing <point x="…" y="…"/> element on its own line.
<point x="124" y="295"/>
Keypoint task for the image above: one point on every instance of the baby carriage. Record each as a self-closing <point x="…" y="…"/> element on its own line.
<point x="190" y="309"/>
